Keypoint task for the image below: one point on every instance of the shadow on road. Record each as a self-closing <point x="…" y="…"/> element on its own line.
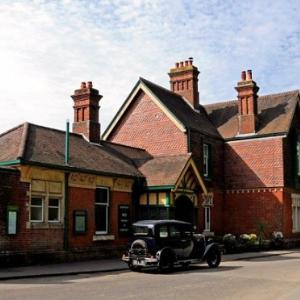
<point x="193" y="269"/>
<point x="270" y="258"/>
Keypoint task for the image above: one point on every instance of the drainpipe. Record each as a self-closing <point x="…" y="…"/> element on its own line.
<point x="66" y="187"/>
<point x="168" y="202"/>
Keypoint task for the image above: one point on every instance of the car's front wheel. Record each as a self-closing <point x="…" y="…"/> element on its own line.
<point x="166" y="262"/>
<point x="214" y="258"/>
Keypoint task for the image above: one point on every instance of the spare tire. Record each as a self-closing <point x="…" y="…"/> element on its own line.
<point x="138" y="244"/>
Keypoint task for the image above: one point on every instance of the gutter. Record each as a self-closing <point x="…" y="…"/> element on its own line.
<point x="251" y="137"/>
<point x="160" y="187"/>
<point x="10" y="163"/>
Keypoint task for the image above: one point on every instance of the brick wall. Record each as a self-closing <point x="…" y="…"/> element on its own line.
<point x="146" y="126"/>
<point x="84" y="199"/>
<point x="14" y="192"/>
<point x="254" y="163"/>
<point x="243" y="211"/>
<point x="217" y="158"/>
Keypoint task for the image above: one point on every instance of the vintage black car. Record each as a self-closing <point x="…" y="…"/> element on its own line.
<point x="166" y="243"/>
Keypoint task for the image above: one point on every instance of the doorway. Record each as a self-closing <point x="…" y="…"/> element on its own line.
<point x="184" y="210"/>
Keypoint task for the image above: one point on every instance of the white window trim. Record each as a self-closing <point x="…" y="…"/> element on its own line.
<point x="207" y="216"/>
<point x="295" y="205"/>
<point x="107" y="209"/>
<point x="48" y="206"/>
<point x="205" y="160"/>
<point x="298" y="157"/>
<point x="43" y="204"/>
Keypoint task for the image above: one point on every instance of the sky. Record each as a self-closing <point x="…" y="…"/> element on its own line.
<point x="48" y="47"/>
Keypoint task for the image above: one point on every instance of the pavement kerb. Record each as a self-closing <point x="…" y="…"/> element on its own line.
<point x="107" y="270"/>
<point x="73" y="273"/>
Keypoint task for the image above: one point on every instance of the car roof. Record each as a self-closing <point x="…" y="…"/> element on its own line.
<point x="152" y="223"/>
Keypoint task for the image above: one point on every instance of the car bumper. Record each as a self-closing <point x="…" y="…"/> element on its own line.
<point x="141" y="262"/>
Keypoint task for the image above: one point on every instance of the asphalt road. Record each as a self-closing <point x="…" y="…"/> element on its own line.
<point x="273" y="278"/>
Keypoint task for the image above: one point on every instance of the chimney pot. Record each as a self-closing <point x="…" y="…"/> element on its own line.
<point x="191" y="61"/>
<point x="186" y="63"/>
<point x="249" y="75"/>
<point x="243" y="75"/>
<point x="177" y="65"/>
<point x="181" y="64"/>
<point x="83" y="85"/>
<point x="89" y="84"/>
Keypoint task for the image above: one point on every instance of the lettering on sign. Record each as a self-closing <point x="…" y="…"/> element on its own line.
<point x="124" y="220"/>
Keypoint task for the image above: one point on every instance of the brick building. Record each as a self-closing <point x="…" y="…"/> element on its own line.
<point x="225" y="167"/>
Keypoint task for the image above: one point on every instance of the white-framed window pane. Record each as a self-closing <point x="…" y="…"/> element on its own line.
<point x="205" y="159"/>
<point x="101" y="209"/>
<point x="53" y="209"/>
<point x="298" y="157"/>
<point x="36" y="209"/>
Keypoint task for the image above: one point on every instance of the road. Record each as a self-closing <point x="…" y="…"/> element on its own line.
<point x="273" y="278"/>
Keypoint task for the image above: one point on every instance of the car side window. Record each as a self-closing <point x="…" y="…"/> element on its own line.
<point x="175" y="231"/>
<point x="163" y="231"/>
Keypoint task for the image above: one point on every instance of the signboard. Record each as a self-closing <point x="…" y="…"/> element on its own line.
<point x="124" y="220"/>
<point x="12" y="222"/>
<point x="80" y="221"/>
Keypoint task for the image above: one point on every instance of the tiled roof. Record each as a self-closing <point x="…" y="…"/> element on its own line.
<point x="43" y="145"/>
<point x="182" y="110"/>
<point x="11" y="143"/>
<point x="275" y="113"/>
<point x="137" y="156"/>
<point x="164" y="170"/>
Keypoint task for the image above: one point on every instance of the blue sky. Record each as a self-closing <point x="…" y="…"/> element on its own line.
<point x="48" y="47"/>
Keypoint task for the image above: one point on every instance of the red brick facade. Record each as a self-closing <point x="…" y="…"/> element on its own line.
<point x="28" y="239"/>
<point x="146" y="126"/>
<point x="254" y="163"/>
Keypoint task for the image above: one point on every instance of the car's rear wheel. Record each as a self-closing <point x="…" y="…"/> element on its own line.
<point x="214" y="258"/>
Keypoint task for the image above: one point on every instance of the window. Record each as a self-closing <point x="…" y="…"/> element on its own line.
<point x="298" y="157"/>
<point x="53" y="210"/>
<point x="37" y="209"/>
<point x="101" y="210"/>
<point x="206" y="160"/>
<point x="175" y="232"/>
<point x="296" y="211"/>
<point x="46" y="202"/>
<point x="163" y="231"/>
<point x="207" y="218"/>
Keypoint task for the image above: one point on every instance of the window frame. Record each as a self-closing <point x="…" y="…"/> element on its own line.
<point x="106" y="212"/>
<point x="295" y="212"/>
<point x="58" y="208"/>
<point x="206" y="149"/>
<point x="298" y="157"/>
<point x="42" y="206"/>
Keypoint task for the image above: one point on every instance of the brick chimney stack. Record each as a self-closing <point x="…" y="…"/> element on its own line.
<point x="184" y="81"/>
<point x="86" y="112"/>
<point x="247" y="103"/>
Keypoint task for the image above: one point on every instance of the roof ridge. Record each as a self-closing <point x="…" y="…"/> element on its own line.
<point x="11" y="129"/>
<point x="161" y="87"/>
<point x="122" y="145"/>
<point x="259" y="97"/>
<point x="172" y="155"/>
<point x="22" y="147"/>
<point x="280" y="94"/>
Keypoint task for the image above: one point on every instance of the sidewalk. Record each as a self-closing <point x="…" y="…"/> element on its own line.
<point x="107" y="265"/>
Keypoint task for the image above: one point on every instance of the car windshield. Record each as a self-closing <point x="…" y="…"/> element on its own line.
<point x="141" y="230"/>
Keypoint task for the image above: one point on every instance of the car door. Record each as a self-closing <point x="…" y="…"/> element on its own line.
<point x="187" y="242"/>
<point x="175" y="239"/>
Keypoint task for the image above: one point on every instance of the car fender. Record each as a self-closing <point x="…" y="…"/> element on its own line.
<point x="209" y="248"/>
<point x="167" y="251"/>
